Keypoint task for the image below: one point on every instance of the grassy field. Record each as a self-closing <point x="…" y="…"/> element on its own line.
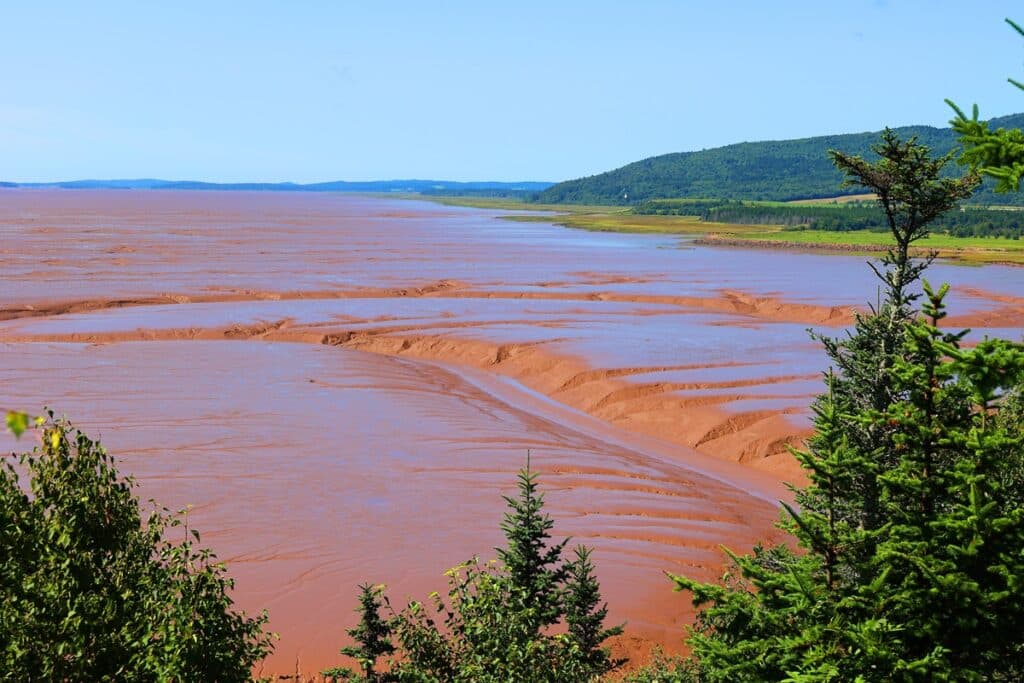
<point x="503" y="204"/>
<point x="844" y="199"/>
<point x="868" y="238"/>
<point x="620" y="219"/>
<point x="624" y="221"/>
<point x="968" y="249"/>
<point x="595" y="218"/>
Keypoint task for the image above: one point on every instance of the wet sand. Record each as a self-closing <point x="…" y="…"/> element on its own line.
<point x="342" y="387"/>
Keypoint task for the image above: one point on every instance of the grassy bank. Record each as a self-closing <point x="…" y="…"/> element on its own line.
<point x="621" y="219"/>
<point x="509" y="204"/>
<point x="968" y="249"/>
<point x="596" y="218"/>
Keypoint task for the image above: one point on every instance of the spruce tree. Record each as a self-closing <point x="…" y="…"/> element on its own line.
<point x="1011" y="418"/>
<point x="909" y="187"/>
<point x="912" y="192"/>
<point x="911" y="549"/>
<point x="500" y="620"/>
<point x="940" y="596"/>
<point x="534" y="564"/>
<point x="999" y="153"/>
<point x="950" y="562"/>
<point x="372" y="636"/>
<point x="585" y="614"/>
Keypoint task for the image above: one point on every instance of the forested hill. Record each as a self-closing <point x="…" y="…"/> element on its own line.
<point x="778" y="170"/>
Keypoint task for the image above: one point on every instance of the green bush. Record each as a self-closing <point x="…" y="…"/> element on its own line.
<point x="91" y="590"/>
<point x="665" y="669"/>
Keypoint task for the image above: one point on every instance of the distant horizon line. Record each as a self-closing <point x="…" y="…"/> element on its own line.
<point x="389" y="185"/>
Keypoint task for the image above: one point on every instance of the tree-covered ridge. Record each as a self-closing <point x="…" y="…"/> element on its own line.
<point x="780" y="170"/>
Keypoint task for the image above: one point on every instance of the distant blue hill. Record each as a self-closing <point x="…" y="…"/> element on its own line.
<point x="419" y="186"/>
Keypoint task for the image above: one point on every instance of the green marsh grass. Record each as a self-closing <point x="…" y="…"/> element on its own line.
<point x="978" y="250"/>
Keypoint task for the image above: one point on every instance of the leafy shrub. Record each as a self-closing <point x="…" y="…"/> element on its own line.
<point x="91" y="590"/>
<point x="665" y="669"/>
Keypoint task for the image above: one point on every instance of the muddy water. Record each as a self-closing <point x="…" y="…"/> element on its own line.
<point x="342" y="387"/>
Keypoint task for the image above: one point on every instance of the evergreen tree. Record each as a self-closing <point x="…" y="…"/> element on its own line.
<point x="372" y="636"/>
<point x="534" y="564"/>
<point x="498" y="620"/>
<point x="911" y="543"/>
<point x="940" y="596"/>
<point x="1011" y="418"/>
<point x="996" y="153"/>
<point x="950" y="561"/>
<point x="912" y="193"/>
<point x="585" y="615"/>
<point x="907" y="183"/>
<point x="665" y="669"/>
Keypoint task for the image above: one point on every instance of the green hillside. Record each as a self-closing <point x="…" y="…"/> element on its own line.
<point x="779" y="170"/>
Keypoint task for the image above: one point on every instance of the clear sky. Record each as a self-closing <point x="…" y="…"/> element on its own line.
<point x="475" y="90"/>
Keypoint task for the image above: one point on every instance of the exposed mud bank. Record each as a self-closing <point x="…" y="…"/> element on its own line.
<point x="690" y="413"/>
<point x="767" y="308"/>
<point x="759" y="438"/>
<point x="311" y="469"/>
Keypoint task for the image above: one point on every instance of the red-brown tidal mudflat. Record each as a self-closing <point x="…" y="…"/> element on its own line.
<point x="342" y="387"/>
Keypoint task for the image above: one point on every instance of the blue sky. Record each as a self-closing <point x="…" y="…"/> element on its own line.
<point x="309" y="91"/>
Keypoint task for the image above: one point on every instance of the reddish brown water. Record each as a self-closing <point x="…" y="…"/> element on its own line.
<point x="343" y="387"/>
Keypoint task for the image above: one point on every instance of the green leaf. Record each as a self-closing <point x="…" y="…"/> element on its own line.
<point x="17" y="422"/>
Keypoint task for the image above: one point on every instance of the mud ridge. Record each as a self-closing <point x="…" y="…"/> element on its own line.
<point x="699" y="421"/>
<point x="696" y="422"/>
<point x="770" y="309"/>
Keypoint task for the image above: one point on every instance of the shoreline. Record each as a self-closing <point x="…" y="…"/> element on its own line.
<point x="973" y="251"/>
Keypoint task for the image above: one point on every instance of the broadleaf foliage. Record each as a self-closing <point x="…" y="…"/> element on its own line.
<point x="91" y="589"/>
